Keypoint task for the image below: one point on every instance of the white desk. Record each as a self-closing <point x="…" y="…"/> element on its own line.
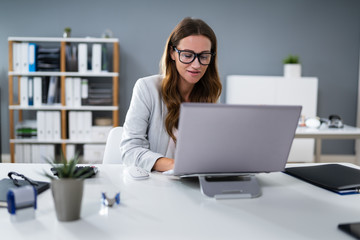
<point x="165" y="208"/>
<point x="324" y="132"/>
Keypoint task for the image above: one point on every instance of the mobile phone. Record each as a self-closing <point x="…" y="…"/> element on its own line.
<point x="351" y="228"/>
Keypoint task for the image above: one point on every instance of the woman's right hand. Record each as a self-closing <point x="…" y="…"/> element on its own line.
<point x="163" y="164"/>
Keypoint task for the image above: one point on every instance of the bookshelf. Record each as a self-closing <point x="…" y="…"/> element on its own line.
<point x="17" y="78"/>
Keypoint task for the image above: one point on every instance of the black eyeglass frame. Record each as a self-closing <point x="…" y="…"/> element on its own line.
<point x="196" y="55"/>
<point x="15" y="180"/>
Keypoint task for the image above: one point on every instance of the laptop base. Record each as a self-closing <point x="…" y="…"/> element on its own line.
<point x="230" y="187"/>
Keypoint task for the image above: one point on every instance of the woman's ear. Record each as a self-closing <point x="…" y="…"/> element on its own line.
<point x="172" y="53"/>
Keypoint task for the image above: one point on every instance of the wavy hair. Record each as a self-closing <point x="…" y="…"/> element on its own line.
<point x="207" y="90"/>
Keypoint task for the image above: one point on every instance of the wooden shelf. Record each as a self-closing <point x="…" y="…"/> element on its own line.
<point x="55" y="39"/>
<point x="60" y="107"/>
<point x="66" y="74"/>
<point x="62" y="141"/>
<point x="15" y="80"/>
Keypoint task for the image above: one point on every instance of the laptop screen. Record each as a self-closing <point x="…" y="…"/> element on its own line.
<point x="228" y="139"/>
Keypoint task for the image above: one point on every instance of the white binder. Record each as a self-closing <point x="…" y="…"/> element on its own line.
<point x="87" y="121"/>
<point x="69" y="92"/>
<point x="24" y="98"/>
<point x="96" y="58"/>
<point x="82" y="57"/>
<point x="40" y="120"/>
<point x="16" y="56"/>
<point x="72" y="125"/>
<point x="37" y="91"/>
<point x="77" y="92"/>
<point x="24" y="61"/>
<point x="56" y="125"/>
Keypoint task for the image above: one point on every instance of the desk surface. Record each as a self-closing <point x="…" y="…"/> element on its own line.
<point x="347" y="132"/>
<point x="164" y="207"/>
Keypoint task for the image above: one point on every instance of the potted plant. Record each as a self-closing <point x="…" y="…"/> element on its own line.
<point x="67" y="188"/>
<point x="292" y="67"/>
<point x="67" y="32"/>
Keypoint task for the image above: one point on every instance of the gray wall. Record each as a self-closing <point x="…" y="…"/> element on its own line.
<point x="254" y="36"/>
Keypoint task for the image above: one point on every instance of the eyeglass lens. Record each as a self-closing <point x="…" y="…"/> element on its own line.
<point x="188" y="57"/>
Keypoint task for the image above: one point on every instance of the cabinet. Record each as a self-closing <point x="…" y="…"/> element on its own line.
<point x="278" y="91"/>
<point x="18" y="112"/>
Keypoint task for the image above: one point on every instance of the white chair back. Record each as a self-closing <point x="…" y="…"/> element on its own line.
<point x="112" y="148"/>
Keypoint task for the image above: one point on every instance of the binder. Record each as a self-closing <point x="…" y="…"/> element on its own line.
<point x="32" y="57"/>
<point x="77" y="92"/>
<point x="69" y="92"/>
<point x="37" y="91"/>
<point x="96" y="58"/>
<point x="72" y="125"/>
<point x="40" y="120"/>
<point x="334" y="177"/>
<point x="52" y="89"/>
<point x="80" y="127"/>
<point x="16" y="57"/>
<point x="19" y="153"/>
<point x="82" y="57"/>
<point x="24" y="62"/>
<point x="84" y="91"/>
<point x="49" y="125"/>
<point x="24" y="100"/>
<point x="87" y="124"/>
<point x="35" y="155"/>
<point x="56" y="125"/>
<point x="31" y="91"/>
<point x="70" y="151"/>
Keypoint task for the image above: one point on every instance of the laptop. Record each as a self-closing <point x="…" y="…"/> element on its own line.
<point x="225" y="139"/>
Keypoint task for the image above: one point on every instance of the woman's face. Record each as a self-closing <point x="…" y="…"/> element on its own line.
<point x="192" y="72"/>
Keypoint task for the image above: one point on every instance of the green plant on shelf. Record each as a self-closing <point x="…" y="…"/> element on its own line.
<point x="291" y="59"/>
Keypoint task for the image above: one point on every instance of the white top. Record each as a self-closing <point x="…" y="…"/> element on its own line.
<point x="288" y="209"/>
<point x="144" y="138"/>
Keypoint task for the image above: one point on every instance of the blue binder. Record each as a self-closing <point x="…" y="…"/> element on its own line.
<point x="32" y="57"/>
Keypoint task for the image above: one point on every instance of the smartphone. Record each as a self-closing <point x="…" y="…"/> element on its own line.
<point x="351" y="228"/>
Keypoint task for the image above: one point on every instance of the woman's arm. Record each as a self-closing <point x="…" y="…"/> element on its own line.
<point x="163" y="164"/>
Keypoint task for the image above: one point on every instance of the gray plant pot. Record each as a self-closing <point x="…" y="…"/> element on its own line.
<point x="67" y="194"/>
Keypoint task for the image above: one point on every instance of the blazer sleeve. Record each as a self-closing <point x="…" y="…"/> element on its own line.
<point x="135" y="146"/>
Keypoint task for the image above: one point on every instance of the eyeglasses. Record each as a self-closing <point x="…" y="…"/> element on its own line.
<point x="186" y="56"/>
<point x="16" y="182"/>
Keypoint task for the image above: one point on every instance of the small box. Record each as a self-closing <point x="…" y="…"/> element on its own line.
<point x="94" y="153"/>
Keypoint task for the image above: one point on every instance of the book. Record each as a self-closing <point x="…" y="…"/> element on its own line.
<point x="334" y="177"/>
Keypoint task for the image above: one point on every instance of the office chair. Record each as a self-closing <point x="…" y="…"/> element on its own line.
<point x="112" y="148"/>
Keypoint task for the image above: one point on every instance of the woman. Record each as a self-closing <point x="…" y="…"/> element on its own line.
<point x="189" y="74"/>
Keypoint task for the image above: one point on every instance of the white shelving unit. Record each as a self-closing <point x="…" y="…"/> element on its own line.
<point x="14" y="104"/>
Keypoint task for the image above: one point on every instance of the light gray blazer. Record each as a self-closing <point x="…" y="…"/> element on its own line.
<point x="144" y="137"/>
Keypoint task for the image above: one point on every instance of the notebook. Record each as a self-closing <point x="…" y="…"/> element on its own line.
<point x="334" y="177"/>
<point x="230" y="139"/>
<point x="6" y="184"/>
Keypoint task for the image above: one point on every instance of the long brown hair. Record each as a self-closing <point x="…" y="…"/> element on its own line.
<point x="208" y="89"/>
